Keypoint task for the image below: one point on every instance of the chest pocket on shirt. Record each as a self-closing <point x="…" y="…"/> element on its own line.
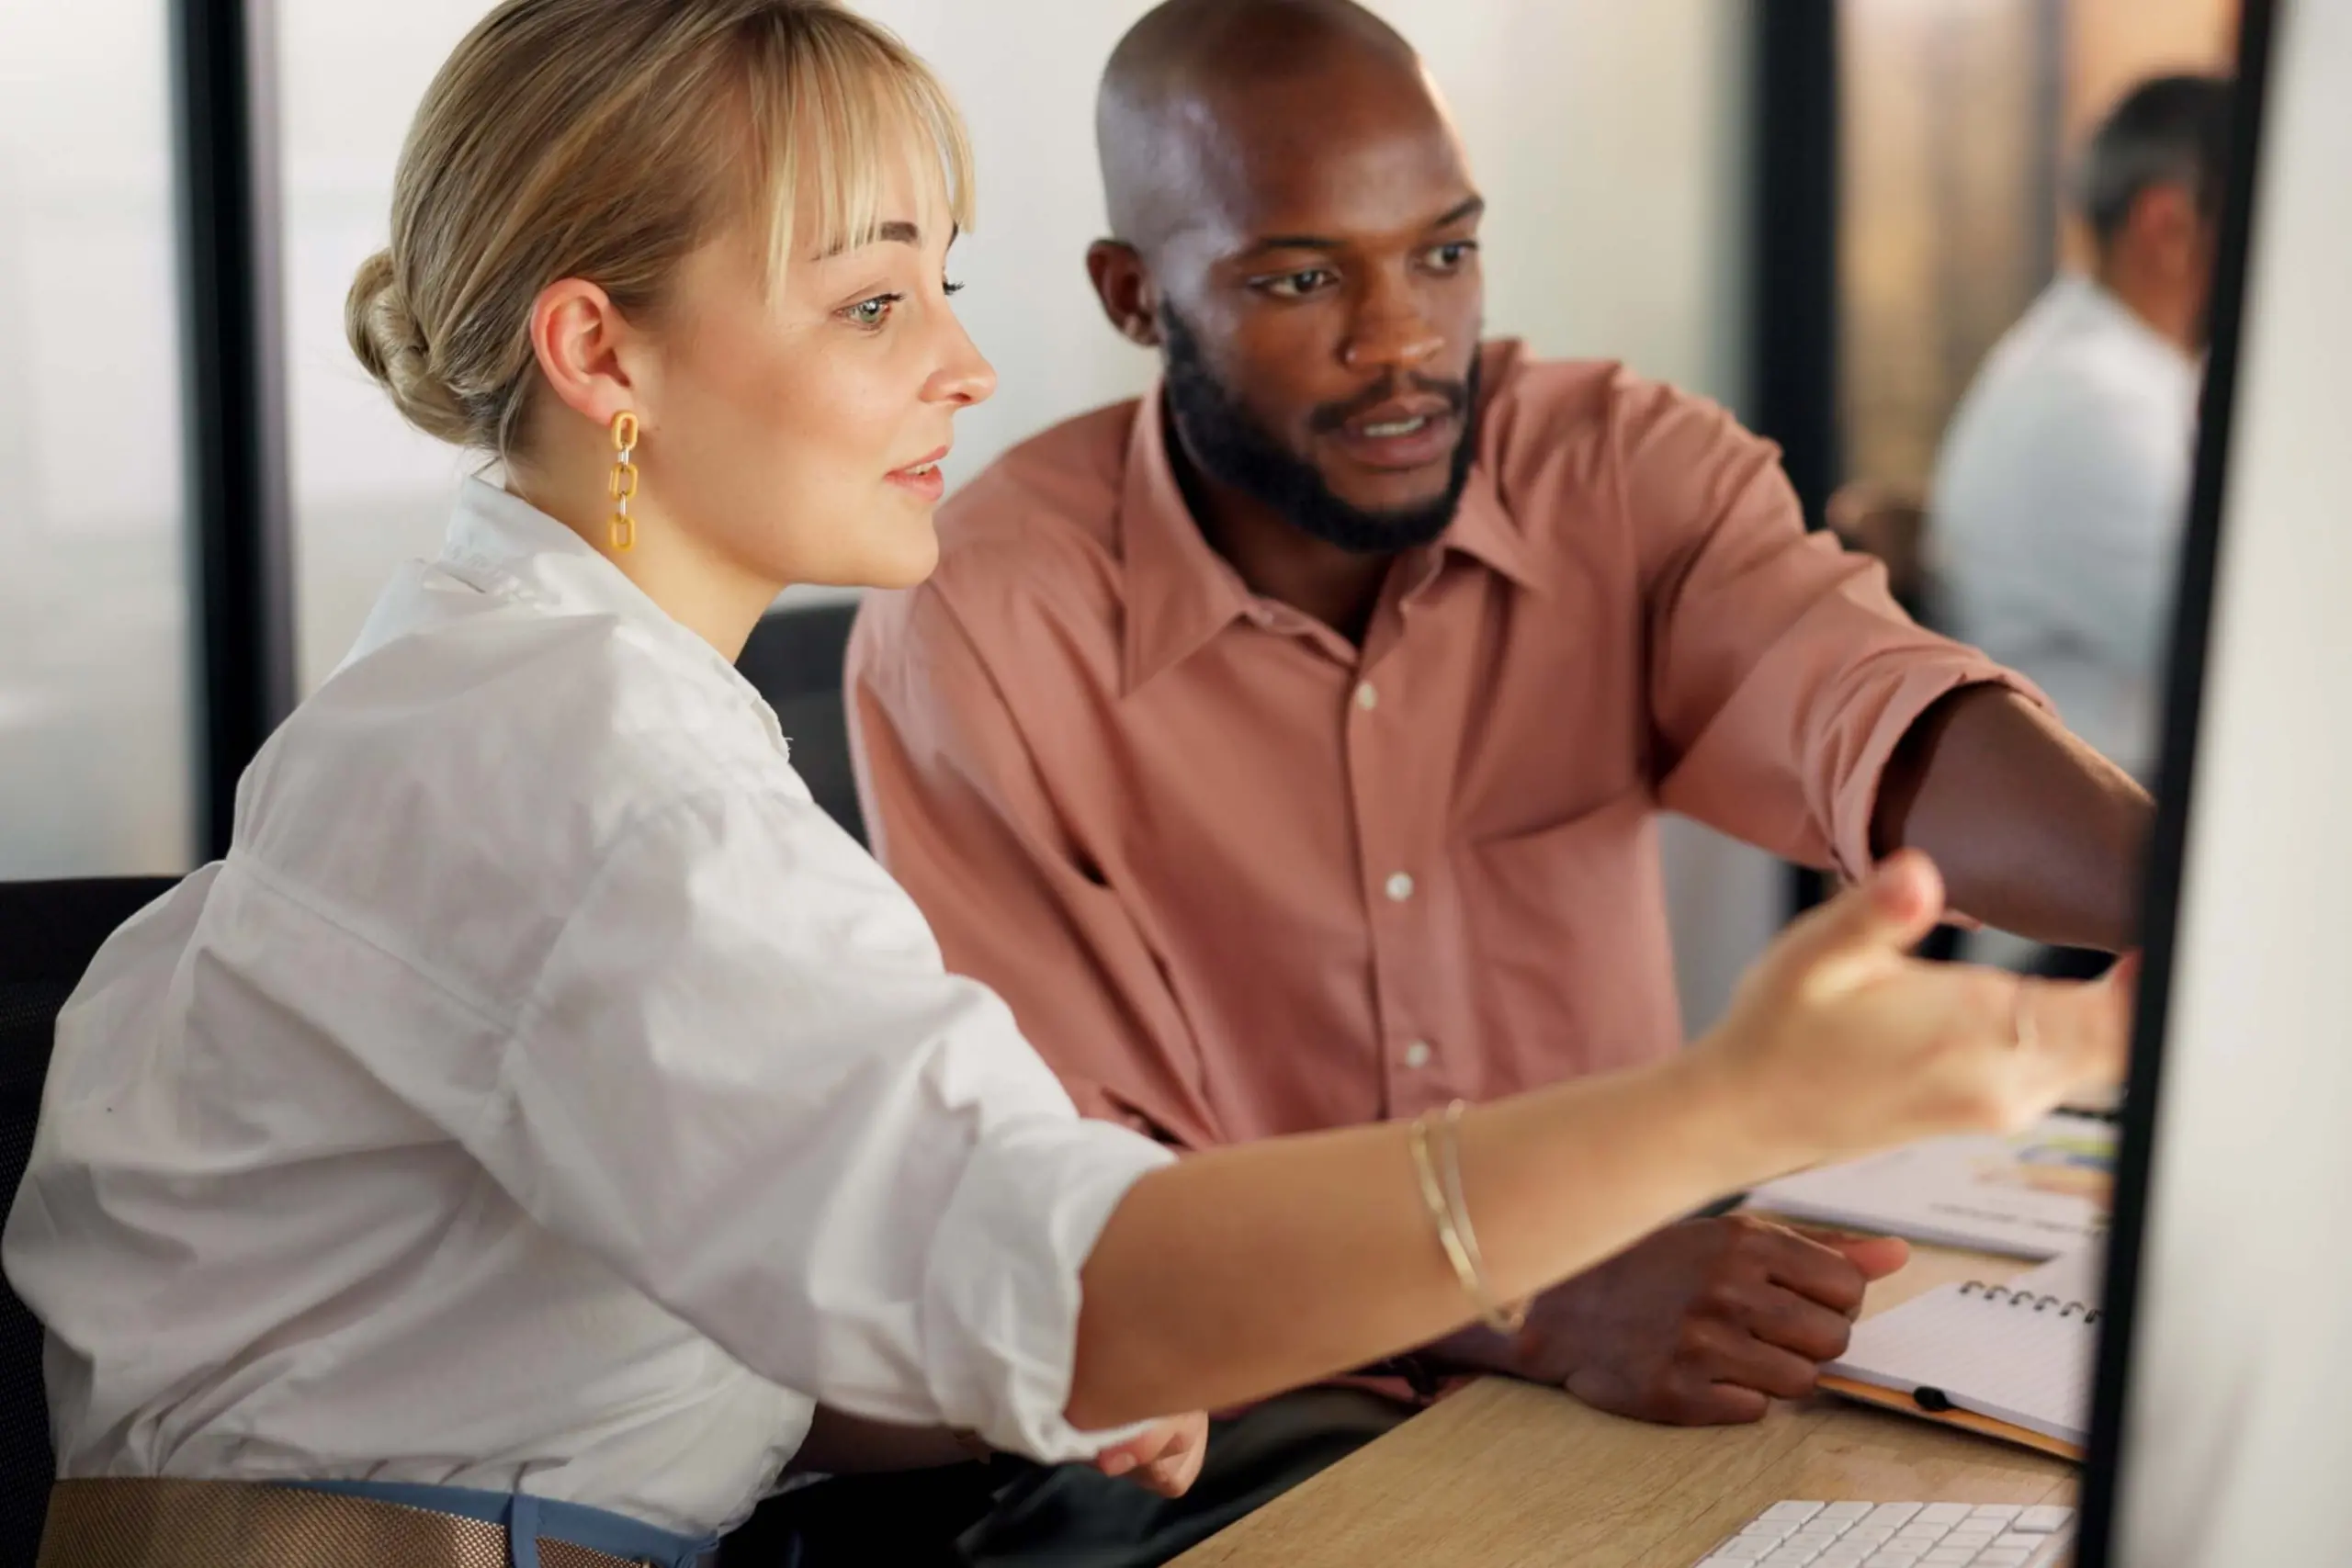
<point x="1571" y="968"/>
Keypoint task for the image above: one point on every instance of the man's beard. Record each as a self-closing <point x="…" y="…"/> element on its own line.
<point x="1236" y="450"/>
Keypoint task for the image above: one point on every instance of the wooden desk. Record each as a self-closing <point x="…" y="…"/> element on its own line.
<point x="1507" y="1476"/>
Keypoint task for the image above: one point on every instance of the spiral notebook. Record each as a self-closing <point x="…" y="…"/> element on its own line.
<point x="2012" y="1361"/>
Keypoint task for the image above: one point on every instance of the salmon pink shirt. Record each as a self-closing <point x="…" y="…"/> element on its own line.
<point x="1238" y="877"/>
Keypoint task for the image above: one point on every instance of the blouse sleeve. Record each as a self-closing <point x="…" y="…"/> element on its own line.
<point x="744" y="1080"/>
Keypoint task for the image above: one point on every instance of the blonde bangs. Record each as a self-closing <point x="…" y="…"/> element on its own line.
<point x="833" y="102"/>
<point x="606" y="140"/>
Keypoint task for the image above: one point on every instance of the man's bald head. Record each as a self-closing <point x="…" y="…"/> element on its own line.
<point x="1297" y="233"/>
<point x="1196" y="81"/>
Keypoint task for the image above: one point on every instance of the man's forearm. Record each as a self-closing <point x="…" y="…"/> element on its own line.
<point x="2034" y="831"/>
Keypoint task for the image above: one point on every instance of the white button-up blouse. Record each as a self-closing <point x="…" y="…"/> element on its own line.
<point x="544" y="1095"/>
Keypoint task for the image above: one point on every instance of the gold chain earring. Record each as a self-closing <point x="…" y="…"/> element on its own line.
<point x="622" y="487"/>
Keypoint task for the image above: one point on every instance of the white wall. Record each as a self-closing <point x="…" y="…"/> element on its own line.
<point x="1607" y="137"/>
<point x="95" y="769"/>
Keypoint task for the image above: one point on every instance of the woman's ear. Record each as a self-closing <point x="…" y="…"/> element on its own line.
<point x="580" y="339"/>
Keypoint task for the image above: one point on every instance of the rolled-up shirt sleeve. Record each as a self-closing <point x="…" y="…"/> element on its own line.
<point x="744" y="1082"/>
<point x="1783" y="674"/>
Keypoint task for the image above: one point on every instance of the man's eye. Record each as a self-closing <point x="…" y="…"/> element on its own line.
<point x="1297" y="285"/>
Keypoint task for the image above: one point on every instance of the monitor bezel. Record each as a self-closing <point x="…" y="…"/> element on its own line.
<point x="2107" y="1452"/>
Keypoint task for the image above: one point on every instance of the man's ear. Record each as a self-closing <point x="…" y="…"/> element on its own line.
<point x="1124" y="284"/>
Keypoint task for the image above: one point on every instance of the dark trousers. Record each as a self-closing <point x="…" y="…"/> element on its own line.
<point x="1010" y="1514"/>
<point x="905" y="1520"/>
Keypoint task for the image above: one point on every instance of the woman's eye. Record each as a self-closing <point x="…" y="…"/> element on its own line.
<point x="1450" y="257"/>
<point x="871" y="314"/>
<point x="951" y="288"/>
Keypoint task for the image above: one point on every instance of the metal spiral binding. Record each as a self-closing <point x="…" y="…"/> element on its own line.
<point x="2000" y="1294"/>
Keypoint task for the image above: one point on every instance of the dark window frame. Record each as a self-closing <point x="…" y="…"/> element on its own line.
<point x="240" y="503"/>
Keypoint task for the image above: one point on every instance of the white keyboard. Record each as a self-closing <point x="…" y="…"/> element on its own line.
<point x="1899" y="1535"/>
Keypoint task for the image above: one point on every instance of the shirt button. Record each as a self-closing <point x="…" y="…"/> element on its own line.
<point x="1417" y="1054"/>
<point x="1399" y="888"/>
<point x="1367" y="695"/>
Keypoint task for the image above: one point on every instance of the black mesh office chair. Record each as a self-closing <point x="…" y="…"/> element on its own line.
<point x="795" y="659"/>
<point x="49" y="931"/>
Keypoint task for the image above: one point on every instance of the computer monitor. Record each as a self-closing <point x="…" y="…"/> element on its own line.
<point x="2222" y="1430"/>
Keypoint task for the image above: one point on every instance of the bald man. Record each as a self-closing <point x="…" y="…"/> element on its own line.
<point x="1285" y="745"/>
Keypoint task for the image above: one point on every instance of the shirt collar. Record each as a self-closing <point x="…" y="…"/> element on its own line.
<point x="504" y="544"/>
<point x="1484" y="530"/>
<point x="1180" y="592"/>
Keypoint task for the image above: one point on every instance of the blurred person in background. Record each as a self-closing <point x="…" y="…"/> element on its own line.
<point x="2062" y="486"/>
<point x="2061" y="490"/>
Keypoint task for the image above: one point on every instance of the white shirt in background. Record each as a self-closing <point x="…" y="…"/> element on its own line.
<point x="544" y="1095"/>
<point x="2059" y="506"/>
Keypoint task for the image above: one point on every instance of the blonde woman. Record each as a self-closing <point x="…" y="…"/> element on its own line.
<point x="544" y="1109"/>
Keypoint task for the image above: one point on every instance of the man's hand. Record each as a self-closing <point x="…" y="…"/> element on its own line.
<point x="1165" y="1459"/>
<point x="1701" y="1324"/>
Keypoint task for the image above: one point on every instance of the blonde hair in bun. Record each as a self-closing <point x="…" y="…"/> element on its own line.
<point x="606" y="140"/>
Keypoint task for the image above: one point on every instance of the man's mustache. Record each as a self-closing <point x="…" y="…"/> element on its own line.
<point x="1331" y="416"/>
